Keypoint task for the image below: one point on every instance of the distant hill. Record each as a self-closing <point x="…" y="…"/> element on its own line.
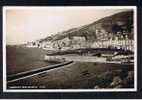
<point x="122" y="19"/>
<point x="118" y="26"/>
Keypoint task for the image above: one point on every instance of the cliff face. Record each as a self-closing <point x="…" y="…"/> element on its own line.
<point x="118" y="25"/>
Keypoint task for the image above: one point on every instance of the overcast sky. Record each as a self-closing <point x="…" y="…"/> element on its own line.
<point x="23" y="25"/>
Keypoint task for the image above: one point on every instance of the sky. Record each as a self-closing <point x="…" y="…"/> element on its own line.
<point x="25" y="24"/>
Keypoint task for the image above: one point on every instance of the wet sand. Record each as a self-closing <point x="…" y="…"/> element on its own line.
<point x="21" y="59"/>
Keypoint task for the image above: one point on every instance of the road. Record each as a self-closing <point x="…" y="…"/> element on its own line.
<point x="86" y="58"/>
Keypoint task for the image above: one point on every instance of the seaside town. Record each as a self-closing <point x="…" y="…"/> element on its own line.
<point x="99" y="55"/>
<point x="105" y="40"/>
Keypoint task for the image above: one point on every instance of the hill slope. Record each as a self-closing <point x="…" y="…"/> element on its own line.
<point x="119" y="25"/>
<point x="123" y="19"/>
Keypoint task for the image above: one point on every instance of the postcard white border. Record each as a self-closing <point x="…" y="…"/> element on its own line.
<point x="70" y="90"/>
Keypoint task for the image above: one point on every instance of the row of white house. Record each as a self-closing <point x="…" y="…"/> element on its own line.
<point x="119" y="44"/>
<point x="80" y="42"/>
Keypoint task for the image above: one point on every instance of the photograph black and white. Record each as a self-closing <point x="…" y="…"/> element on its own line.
<point x="72" y="48"/>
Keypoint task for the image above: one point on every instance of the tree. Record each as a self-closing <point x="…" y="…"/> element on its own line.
<point x="129" y="25"/>
<point x="116" y="28"/>
<point x="85" y="34"/>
